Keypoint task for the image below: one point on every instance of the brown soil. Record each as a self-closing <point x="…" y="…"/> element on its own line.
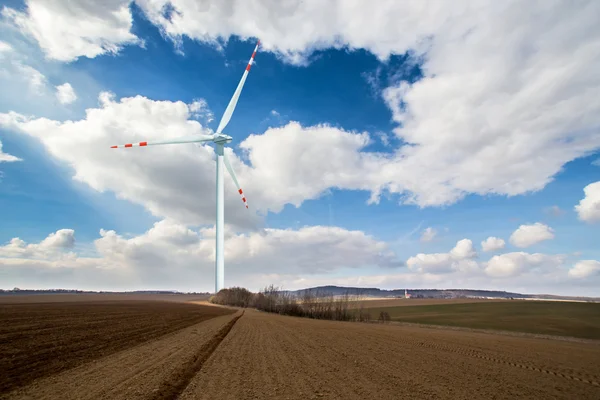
<point x="39" y="340"/>
<point x="272" y="356"/>
<point x="152" y="370"/>
<point x="255" y="355"/>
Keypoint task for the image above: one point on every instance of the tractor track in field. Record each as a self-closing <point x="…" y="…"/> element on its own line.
<point x="584" y="378"/>
<point x="155" y="368"/>
<point x="272" y="356"/>
<point x="172" y="388"/>
<point x="577" y="376"/>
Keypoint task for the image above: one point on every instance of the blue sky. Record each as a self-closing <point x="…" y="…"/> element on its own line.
<point x="454" y="147"/>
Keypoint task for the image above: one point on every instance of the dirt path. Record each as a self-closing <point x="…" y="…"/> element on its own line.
<point x="155" y="369"/>
<point x="271" y="356"/>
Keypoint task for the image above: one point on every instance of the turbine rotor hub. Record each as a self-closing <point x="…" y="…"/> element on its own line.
<point x="222" y="139"/>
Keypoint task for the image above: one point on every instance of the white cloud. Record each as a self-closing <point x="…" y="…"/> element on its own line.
<point x="555" y="211"/>
<point x="428" y="234"/>
<point x="4" y="157"/>
<point x="384" y="138"/>
<point x="492" y="244"/>
<point x="294" y="29"/>
<point x="588" y="208"/>
<point x="176" y="181"/>
<point x="5" y="47"/>
<point x="514" y="264"/>
<point x="37" y="81"/>
<point x="199" y="109"/>
<point x="585" y="269"/>
<point x="291" y="163"/>
<point x="460" y="258"/>
<point x="463" y="249"/>
<point x="172" y="254"/>
<point x="65" y="93"/>
<point x="278" y="173"/>
<point x="472" y="125"/>
<point x="528" y="235"/>
<point x="276" y="161"/>
<point x="596" y="162"/>
<point x="68" y="30"/>
<point x="49" y="249"/>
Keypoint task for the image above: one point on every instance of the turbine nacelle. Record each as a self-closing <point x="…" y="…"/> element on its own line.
<point x="222" y="139"/>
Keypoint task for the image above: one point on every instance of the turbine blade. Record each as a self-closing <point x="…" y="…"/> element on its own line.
<point x="236" y="95"/>
<point x="237" y="185"/>
<point x="188" y="139"/>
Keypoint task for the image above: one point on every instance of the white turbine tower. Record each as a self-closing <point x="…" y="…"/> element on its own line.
<point x="220" y="140"/>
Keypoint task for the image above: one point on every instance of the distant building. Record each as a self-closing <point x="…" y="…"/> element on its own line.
<point x="406" y="294"/>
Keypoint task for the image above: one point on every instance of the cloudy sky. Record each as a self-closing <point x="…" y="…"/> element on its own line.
<point x="413" y="144"/>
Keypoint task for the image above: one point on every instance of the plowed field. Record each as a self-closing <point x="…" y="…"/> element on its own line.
<point x="272" y="356"/>
<point x="255" y="355"/>
<point x="38" y="340"/>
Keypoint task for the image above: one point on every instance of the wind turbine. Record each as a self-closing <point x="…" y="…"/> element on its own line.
<point x="220" y="140"/>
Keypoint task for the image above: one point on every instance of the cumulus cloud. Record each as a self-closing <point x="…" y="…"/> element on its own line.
<point x="49" y="248"/>
<point x="65" y="93"/>
<point x="528" y="235"/>
<point x="68" y="30"/>
<point x="472" y="125"/>
<point x="5" y="47"/>
<point x="492" y="244"/>
<point x="199" y="109"/>
<point x="36" y="80"/>
<point x="588" y="208"/>
<point x="172" y="253"/>
<point x="294" y="29"/>
<point x="513" y="264"/>
<point x="460" y="258"/>
<point x="486" y="97"/>
<point x="428" y="234"/>
<point x="145" y="176"/>
<point x="4" y="157"/>
<point x="461" y="265"/>
<point x="176" y="181"/>
<point x="277" y="159"/>
<point x="585" y="269"/>
<point x="307" y="161"/>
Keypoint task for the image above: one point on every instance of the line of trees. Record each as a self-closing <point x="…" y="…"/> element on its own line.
<point x="310" y="303"/>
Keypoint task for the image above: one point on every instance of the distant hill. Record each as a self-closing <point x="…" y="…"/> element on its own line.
<point x="433" y="293"/>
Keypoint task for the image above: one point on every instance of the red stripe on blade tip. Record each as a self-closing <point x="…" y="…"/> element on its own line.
<point x="240" y="190"/>
<point x="128" y="145"/>
<point x="114" y="147"/>
<point x="143" y="143"/>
